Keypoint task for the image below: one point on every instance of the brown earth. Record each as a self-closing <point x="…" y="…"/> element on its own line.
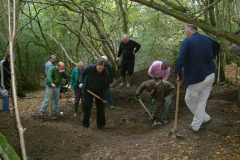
<point x="129" y="133"/>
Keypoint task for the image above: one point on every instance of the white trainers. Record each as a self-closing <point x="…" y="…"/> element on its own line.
<point x="128" y="85"/>
<point x="75" y="114"/>
<point x="121" y="84"/>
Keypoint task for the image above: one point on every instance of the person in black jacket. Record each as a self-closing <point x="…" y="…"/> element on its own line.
<point x="126" y="49"/>
<point x="5" y="83"/>
<point x="95" y="77"/>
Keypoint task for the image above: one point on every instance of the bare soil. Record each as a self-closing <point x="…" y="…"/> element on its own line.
<point x="129" y="133"/>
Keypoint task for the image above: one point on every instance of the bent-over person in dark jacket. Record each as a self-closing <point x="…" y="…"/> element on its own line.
<point x="95" y="78"/>
<point x="162" y="93"/>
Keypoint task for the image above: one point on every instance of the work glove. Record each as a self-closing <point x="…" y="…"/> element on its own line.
<point x="152" y="119"/>
<point x="137" y="97"/>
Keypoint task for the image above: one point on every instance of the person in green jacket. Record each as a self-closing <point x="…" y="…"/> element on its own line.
<point x="54" y="78"/>
<point x="162" y="92"/>
<point x="111" y="76"/>
<point x="74" y="81"/>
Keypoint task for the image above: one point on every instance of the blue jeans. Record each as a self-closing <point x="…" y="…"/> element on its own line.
<point x="48" y="98"/>
<point x="110" y="98"/>
<point x="5" y="98"/>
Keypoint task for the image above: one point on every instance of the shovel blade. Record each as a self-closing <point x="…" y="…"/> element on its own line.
<point x="174" y="132"/>
<point x="156" y="123"/>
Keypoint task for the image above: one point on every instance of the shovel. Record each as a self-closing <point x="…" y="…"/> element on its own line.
<point x="98" y="97"/>
<point x="155" y="123"/>
<point x="94" y="95"/>
<point x="67" y="101"/>
<point x="174" y="129"/>
<point x="51" y="111"/>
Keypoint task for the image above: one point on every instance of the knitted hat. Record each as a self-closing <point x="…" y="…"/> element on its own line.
<point x="237" y="31"/>
<point x="166" y="63"/>
<point x="105" y="57"/>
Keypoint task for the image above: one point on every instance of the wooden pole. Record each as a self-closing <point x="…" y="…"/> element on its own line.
<point x="219" y="65"/>
<point x="177" y="103"/>
<point x="146" y="109"/>
<point x="51" y="111"/>
<point x="67" y="102"/>
<point x="236" y="74"/>
<point x="94" y="94"/>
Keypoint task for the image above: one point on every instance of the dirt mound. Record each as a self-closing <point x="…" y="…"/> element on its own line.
<point x="9" y="129"/>
<point x="129" y="133"/>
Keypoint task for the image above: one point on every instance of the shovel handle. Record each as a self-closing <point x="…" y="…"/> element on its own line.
<point x="146" y="109"/>
<point x="139" y="100"/>
<point x="177" y="103"/>
<point x="94" y="94"/>
<point x="67" y="101"/>
<point x="52" y="101"/>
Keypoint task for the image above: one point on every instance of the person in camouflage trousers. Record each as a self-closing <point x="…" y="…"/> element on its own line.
<point x="162" y="92"/>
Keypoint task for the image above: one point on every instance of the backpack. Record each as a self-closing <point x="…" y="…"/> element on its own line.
<point x="21" y="94"/>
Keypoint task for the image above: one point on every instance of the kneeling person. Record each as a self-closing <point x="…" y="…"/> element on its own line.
<point x="162" y="92"/>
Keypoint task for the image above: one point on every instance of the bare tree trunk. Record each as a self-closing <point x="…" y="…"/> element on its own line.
<point x="12" y="34"/>
<point x="124" y="14"/>
<point x="211" y="14"/>
<point x="117" y="23"/>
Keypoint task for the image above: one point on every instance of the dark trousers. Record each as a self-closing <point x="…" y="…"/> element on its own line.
<point x="87" y="105"/>
<point x="127" y="65"/>
<point x="78" y="96"/>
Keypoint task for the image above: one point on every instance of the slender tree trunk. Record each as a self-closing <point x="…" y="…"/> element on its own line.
<point x="118" y="39"/>
<point x="211" y="14"/>
<point x="124" y="14"/>
<point x="12" y="34"/>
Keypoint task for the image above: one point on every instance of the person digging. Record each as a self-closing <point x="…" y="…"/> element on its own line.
<point x="162" y="93"/>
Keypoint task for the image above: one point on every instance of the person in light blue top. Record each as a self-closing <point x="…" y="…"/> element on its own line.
<point x="50" y="63"/>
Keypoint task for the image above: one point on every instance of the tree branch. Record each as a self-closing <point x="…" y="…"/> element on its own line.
<point x="64" y="50"/>
<point x="188" y="19"/>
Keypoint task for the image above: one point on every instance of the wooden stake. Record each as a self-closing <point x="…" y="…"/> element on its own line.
<point x="67" y="102"/>
<point x="177" y="103"/>
<point x="236" y="74"/>
<point x="51" y="111"/>
<point x="218" y="78"/>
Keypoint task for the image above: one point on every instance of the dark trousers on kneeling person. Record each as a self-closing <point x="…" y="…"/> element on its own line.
<point x="87" y="105"/>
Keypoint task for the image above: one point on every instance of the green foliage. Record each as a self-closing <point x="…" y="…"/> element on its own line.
<point x="8" y="149"/>
<point x="160" y="35"/>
